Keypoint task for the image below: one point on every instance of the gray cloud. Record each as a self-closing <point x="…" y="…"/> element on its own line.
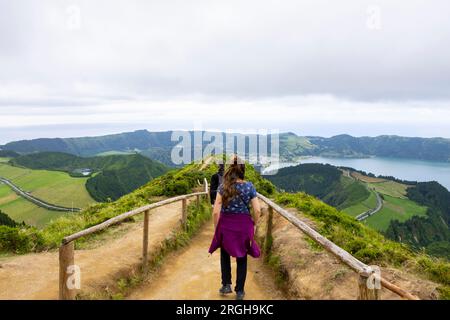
<point x="234" y="48"/>
<point x="221" y="54"/>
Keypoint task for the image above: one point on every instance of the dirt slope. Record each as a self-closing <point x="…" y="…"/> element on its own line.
<point x="313" y="273"/>
<point x="35" y="276"/>
<point x="193" y="274"/>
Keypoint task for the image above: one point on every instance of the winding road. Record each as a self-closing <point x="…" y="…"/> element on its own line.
<point x="35" y="200"/>
<point x="371" y="212"/>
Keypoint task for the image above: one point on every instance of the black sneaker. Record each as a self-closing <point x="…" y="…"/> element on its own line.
<point x="240" y="295"/>
<point x="225" y="289"/>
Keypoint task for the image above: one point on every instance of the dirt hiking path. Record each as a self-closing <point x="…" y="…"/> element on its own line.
<point x="35" y="276"/>
<point x="191" y="274"/>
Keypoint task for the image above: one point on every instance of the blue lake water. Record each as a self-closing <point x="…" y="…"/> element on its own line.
<point x="405" y="169"/>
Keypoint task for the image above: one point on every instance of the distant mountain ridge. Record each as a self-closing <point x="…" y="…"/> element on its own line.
<point x="158" y="146"/>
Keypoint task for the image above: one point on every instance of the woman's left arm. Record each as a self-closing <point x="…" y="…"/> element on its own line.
<point x="217" y="208"/>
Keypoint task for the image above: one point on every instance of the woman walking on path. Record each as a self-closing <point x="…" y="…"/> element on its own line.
<point x="234" y="226"/>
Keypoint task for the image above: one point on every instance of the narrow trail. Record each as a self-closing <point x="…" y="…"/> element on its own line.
<point x="192" y="274"/>
<point x="35" y="276"/>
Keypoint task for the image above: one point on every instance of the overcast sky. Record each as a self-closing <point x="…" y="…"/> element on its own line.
<point x="75" y="68"/>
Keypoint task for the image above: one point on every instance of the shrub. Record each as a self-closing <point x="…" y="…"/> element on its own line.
<point x="19" y="240"/>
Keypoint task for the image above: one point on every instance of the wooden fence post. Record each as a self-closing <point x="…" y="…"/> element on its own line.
<point x="145" y="242"/>
<point x="66" y="260"/>
<point x="207" y="190"/>
<point x="184" y="212"/>
<point x="268" y="241"/>
<point x="364" y="292"/>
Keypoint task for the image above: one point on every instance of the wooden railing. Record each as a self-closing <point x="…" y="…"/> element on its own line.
<point x="366" y="292"/>
<point x="66" y="250"/>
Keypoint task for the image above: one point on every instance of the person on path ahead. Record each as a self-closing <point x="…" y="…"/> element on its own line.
<point x="234" y="226"/>
<point x="216" y="181"/>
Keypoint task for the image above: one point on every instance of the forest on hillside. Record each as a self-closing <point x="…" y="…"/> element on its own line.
<point x="158" y="145"/>
<point x="432" y="231"/>
<point x="113" y="176"/>
<point x="321" y="180"/>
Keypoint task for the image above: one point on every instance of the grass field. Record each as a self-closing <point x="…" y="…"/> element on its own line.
<point x="51" y="186"/>
<point x="369" y="203"/>
<point x="396" y="206"/>
<point x="394" y="209"/>
<point x="364" y="178"/>
<point x="20" y="209"/>
<point x="391" y="188"/>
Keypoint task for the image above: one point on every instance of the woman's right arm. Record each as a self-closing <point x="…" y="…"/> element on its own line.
<point x="217" y="208"/>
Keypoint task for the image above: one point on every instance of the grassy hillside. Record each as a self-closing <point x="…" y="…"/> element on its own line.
<point x="365" y="243"/>
<point x="51" y="186"/>
<point x="175" y="182"/>
<point x="430" y="231"/>
<point x="390" y="188"/>
<point x="5" y="220"/>
<point x="22" y="210"/>
<point x="323" y="181"/>
<point x="415" y="214"/>
<point x="399" y="209"/>
<point x="363" y="206"/>
<point x="116" y="175"/>
<point x="291" y="146"/>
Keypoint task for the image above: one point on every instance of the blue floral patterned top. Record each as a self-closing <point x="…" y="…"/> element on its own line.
<point x="241" y="202"/>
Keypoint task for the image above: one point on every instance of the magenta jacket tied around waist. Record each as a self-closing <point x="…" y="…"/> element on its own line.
<point x="235" y="234"/>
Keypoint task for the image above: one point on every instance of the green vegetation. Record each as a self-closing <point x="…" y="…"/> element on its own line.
<point x="365" y="243"/>
<point x="116" y="175"/>
<point x="367" y="204"/>
<point x="157" y="145"/>
<point x="5" y="220"/>
<point x="8" y="154"/>
<point x="22" y="210"/>
<point x="323" y="181"/>
<point x="394" y="209"/>
<point x="179" y="238"/>
<point x="434" y="149"/>
<point x="294" y="146"/>
<point x="51" y="186"/>
<point x="404" y="217"/>
<point x="431" y="231"/>
<point x="175" y="182"/>
<point x="390" y="188"/>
